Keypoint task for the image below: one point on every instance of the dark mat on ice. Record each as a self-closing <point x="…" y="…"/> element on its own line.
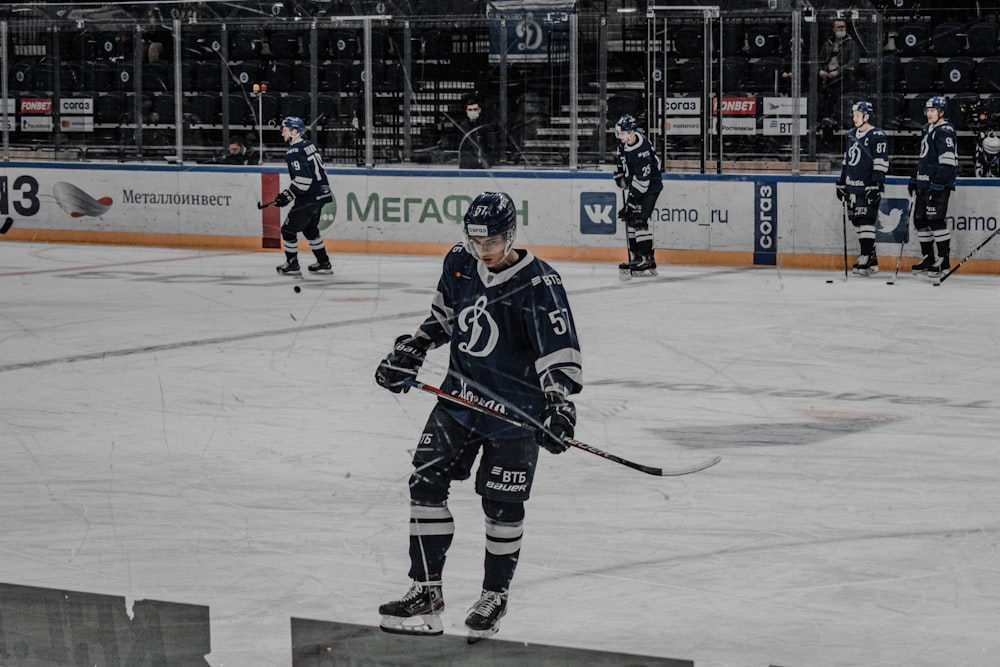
<point x="324" y="644"/>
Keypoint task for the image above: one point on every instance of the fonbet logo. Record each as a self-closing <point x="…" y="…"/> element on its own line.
<point x="598" y="213"/>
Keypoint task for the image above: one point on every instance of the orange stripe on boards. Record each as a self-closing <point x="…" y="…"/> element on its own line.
<point x="554" y="253"/>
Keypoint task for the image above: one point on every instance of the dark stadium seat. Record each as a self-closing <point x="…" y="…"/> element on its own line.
<point x="891" y="68"/>
<point x="982" y="37"/>
<point x="917" y="116"/>
<point x="284" y="45"/>
<point x="691" y="76"/>
<point x="688" y="42"/>
<point x="163" y="109"/>
<point x="733" y="38"/>
<point x="21" y="76"/>
<point x="734" y="71"/>
<point x="114" y="45"/>
<point x="204" y="108"/>
<point x="763" y="40"/>
<point x="623" y="103"/>
<point x="888" y="110"/>
<point x="765" y="75"/>
<point x="956" y="74"/>
<point x="245" y="44"/>
<point x="280" y="76"/>
<point x="948" y="39"/>
<point x="335" y="77"/>
<point x="157" y="76"/>
<point x="956" y="104"/>
<point x="108" y="108"/>
<point x="343" y="45"/>
<point x="920" y="73"/>
<point x="239" y="109"/>
<point x="247" y="73"/>
<point x="294" y="104"/>
<point x="913" y="39"/>
<point x="988" y="75"/>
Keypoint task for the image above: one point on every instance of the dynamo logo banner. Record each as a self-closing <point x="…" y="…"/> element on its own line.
<point x="598" y="213"/>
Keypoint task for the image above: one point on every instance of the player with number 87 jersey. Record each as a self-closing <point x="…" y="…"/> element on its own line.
<point x="513" y="347"/>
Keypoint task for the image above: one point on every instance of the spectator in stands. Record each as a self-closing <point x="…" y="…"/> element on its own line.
<point x="837" y="61"/>
<point x="476" y="138"/>
<point x="239" y="153"/>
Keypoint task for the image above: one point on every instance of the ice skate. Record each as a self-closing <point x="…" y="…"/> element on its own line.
<point x="625" y="268"/>
<point x="416" y="613"/>
<point x="924" y="265"/>
<point x="645" y="267"/>
<point x="939" y="268"/>
<point x="484" y="617"/>
<point x="866" y="265"/>
<point x="324" y="268"/>
<point x="290" y="268"/>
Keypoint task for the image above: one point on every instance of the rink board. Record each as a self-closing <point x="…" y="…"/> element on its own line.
<point x="733" y="219"/>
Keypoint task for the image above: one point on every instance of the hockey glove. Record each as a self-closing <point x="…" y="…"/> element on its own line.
<point x="873" y="195"/>
<point x="402" y="364"/>
<point x="284" y="198"/>
<point x="911" y="186"/>
<point x="842" y="192"/>
<point x="631" y="211"/>
<point x="620" y="179"/>
<point x="558" y="422"/>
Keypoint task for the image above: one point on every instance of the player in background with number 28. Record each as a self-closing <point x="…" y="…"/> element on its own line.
<point x="512" y="347"/>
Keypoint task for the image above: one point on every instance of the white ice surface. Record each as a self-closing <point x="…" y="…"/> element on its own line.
<point x="180" y="425"/>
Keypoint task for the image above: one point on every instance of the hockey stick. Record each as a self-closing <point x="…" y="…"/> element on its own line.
<point x="263" y="206"/>
<point x="649" y="470"/>
<point x="844" y="207"/>
<point x="968" y="257"/>
<point x="895" y="274"/>
<point x="6" y="225"/>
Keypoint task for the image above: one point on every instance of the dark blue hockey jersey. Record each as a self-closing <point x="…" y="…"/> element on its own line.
<point x="866" y="159"/>
<point x="511" y="337"/>
<point x="305" y="166"/>
<point x="938" y="163"/>
<point x="641" y="167"/>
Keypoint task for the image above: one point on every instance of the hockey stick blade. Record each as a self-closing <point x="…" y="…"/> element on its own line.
<point x="261" y="206"/>
<point x="6" y="225"/>
<point x="649" y="470"/>
<point x="969" y="256"/>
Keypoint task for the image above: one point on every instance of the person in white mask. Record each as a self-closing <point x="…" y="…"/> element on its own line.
<point x="476" y="139"/>
<point x="837" y="62"/>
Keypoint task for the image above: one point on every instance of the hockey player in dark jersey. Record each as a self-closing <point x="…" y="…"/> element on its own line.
<point x="310" y="191"/>
<point x="862" y="181"/>
<point x="639" y="175"/>
<point x="932" y="185"/>
<point x="513" y="347"/>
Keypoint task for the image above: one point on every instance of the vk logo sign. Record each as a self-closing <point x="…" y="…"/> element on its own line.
<point x="598" y="213"/>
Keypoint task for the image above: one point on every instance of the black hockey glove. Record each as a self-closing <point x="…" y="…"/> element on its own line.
<point x="873" y="194"/>
<point x="620" y="179"/>
<point x="559" y="422"/>
<point x="402" y="364"/>
<point x="841" y="190"/>
<point x="284" y="198"/>
<point x="630" y="211"/>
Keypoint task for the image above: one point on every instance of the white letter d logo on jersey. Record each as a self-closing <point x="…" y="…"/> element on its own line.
<point x="481" y="328"/>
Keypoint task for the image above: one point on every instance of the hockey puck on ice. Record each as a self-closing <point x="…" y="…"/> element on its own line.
<point x="297" y="289"/>
<point x="829" y="282"/>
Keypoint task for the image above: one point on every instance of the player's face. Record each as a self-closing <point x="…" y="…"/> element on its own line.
<point x="934" y="115"/>
<point x="859" y="118"/>
<point x="492" y="250"/>
<point x="626" y="137"/>
<point x="286" y="134"/>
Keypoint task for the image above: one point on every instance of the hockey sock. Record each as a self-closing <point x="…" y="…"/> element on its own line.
<point x="431" y="531"/>
<point x="319" y="249"/>
<point x="503" y="547"/>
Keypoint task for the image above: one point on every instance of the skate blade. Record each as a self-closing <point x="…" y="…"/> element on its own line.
<point x="647" y="273"/>
<point x="428" y="625"/>
<point x="624" y="275"/>
<point x="476" y="636"/>
<point x="322" y="272"/>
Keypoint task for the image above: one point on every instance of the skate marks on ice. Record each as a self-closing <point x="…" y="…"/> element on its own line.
<point x="765" y="435"/>
<point x="316" y="643"/>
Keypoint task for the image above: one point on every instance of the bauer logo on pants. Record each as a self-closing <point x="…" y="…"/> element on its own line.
<point x="598" y="213"/>
<point x="893" y="221"/>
